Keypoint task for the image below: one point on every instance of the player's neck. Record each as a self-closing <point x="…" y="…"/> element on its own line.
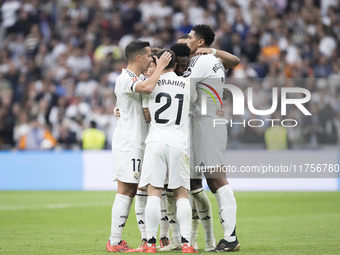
<point x="134" y="68"/>
<point x="169" y="70"/>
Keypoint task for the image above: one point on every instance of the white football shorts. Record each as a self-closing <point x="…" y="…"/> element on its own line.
<point x="163" y="162"/>
<point x="127" y="165"/>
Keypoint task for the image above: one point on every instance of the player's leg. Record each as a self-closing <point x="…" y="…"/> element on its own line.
<point x="184" y="213"/>
<point x="164" y="226"/>
<point x="226" y="201"/>
<point x="153" y="214"/>
<point x="179" y="182"/>
<point x="194" y="223"/>
<point x="140" y="203"/>
<point x="120" y="212"/>
<point x="152" y="178"/>
<point x="127" y="176"/>
<point x="175" y="243"/>
<point x="204" y="211"/>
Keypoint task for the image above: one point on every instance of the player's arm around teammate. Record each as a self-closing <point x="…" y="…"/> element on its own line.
<point x="228" y="60"/>
<point x="128" y="137"/>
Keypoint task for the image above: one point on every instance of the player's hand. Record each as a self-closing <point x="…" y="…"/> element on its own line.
<point x="220" y="112"/>
<point x="116" y="112"/>
<point x="164" y="60"/>
<point x="203" y="51"/>
<point x="226" y="94"/>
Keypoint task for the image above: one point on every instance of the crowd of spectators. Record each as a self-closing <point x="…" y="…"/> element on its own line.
<point x="60" y="58"/>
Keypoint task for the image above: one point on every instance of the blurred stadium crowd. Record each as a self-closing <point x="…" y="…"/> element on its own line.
<point x="60" y="58"/>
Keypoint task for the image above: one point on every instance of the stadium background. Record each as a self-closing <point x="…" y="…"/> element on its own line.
<point x="59" y="61"/>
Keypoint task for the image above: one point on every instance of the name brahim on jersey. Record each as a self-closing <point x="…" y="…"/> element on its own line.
<point x="162" y="82"/>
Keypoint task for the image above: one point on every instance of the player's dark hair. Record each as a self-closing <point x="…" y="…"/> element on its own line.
<point x="154" y="52"/>
<point x="185" y="36"/>
<point x="204" y="32"/>
<point x="173" y="58"/>
<point x="181" y="50"/>
<point x="134" y="48"/>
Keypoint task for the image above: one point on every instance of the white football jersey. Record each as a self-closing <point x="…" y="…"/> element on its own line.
<point x="169" y="108"/>
<point x="207" y="71"/>
<point x="131" y="127"/>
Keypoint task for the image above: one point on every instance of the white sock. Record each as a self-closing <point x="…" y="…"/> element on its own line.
<point x="164" y="231"/>
<point x="227" y="212"/>
<point x="184" y="216"/>
<point x="195" y="219"/>
<point x="218" y="204"/>
<point x="217" y="200"/>
<point x="171" y="209"/>
<point x="140" y="203"/>
<point x="120" y="213"/>
<point x="152" y="216"/>
<point x="204" y="211"/>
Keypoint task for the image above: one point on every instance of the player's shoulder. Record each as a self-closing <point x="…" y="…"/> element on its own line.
<point x="194" y="60"/>
<point x="127" y="76"/>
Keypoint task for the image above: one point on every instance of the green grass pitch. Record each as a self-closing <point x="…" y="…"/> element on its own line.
<point x="72" y="222"/>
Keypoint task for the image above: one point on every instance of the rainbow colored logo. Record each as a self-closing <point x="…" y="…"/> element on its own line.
<point x="209" y="93"/>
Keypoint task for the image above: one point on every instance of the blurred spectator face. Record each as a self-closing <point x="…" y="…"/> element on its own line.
<point x="323" y="60"/>
<point x="84" y="76"/>
<point x="16" y="109"/>
<point x="23" y="117"/>
<point x="23" y="15"/>
<point x="107" y="41"/>
<point x="43" y="48"/>
<point x="35" y="30"/>
<point x="77" y="51"/>
<point x="62" y="60"/>
<point x="22" y="79"/>
<point x="116" y="22"/>
<point x="239" y="18"/>
<point x="226" y="27"/>
<point x="336" y="68"/>
<point x="236" y="39"/>
<point x="3" y="112"/>
<point x="34" y="123"/>
<point x="181" y="65"/>
<point x="309" y="3"/>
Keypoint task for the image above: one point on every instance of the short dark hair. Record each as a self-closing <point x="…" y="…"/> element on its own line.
<point x="185" y="36"/>
<point x="134" y="48"/>
<point x="173" y="57"/>
<point x="181" y="50"/>
<point x="93" y="124"/>
<point x="204" y="32"/>
<point x="154" y="52"/>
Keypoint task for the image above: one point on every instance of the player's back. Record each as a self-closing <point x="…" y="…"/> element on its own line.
<point x="131" y="126"/>
<point x="169" y="108"/>
<point x="208" y="73"/>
